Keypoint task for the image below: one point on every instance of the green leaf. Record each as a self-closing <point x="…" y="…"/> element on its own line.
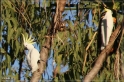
<point x="15" y="22"/>
<point x="8" y="60"/>
<point x="17" y="48"/>
<point x="75" y="57"/>
<point x="47" y="24"/>
<point x="2" y="50"/>
<point x="9" y="36"/>
<point x="9" y="28"/>
<point x="7" y="14"/>
<point x="122" y="45"/>
<point x="60" y="48"/>
<point x="82" y="24"/>
<point x="71" y="25"/>
<point x="59" y="59"/>
<point x="31" y="13"/>
<point x="56" y="79"/>
<point x="95" y="21"/>
<point x="74" y="73"/>
<point x="43" y="31"/>
<point x="8" y="3"/>
<point x="16" y="77"/>
<point x="79" y="36"/>
<point x="18" y="33"/>
<point x="90" y="33"/>
<point x="77" y="47"/>
<point x="108" y="62"/>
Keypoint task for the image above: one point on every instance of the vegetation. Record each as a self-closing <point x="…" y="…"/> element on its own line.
<point x="73" y="41"/>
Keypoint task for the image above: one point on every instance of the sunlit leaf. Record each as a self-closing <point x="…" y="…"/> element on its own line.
<point x="71" y="25"/>
<point x="2" y="50"/>
<point x="17" y="48"/>
<point x="15" y="22"/>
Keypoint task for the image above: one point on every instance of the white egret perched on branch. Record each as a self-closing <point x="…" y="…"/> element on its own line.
<point x="33" y="55"/>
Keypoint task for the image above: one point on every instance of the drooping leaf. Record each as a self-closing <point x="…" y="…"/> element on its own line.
<point x="2" y="50"/>
<point x="17" y="48"/>
<point x="15" y="22"/>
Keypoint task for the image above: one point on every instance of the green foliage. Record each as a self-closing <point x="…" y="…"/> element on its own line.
<point x="21" y="16"/>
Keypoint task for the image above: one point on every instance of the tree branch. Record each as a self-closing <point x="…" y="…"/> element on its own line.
<point x="103" y="54"/>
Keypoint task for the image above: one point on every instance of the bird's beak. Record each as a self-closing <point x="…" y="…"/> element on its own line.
<point x="26" y="48"/>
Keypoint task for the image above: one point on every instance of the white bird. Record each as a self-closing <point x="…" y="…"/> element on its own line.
<point x="106" y="27"/>
<point x="33" y="55"/>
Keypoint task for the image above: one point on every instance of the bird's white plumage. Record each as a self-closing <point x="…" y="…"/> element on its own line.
<point x="106" y="28"/>
<point x="33" y="54"/>
<point x="33" y="57"/>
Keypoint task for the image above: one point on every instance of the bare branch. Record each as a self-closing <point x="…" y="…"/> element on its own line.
<point x="91" y="41"/>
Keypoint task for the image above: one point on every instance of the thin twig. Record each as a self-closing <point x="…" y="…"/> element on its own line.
<point x="85" y="58"/>
<point x="91" y="41"/>
<point x="113" y="1"/>
<point x="55" y="18"/>
<point x="56" y="11"/>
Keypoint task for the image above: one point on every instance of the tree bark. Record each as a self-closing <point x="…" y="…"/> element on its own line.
<point x="101" y="58"/>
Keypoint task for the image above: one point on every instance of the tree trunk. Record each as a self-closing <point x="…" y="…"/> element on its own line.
<point x="99" y="62"/>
